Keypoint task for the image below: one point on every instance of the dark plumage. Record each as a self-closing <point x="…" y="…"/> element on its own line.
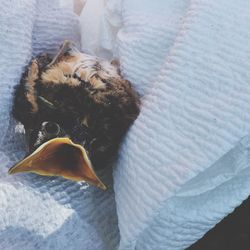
<point x="77" y="96"/>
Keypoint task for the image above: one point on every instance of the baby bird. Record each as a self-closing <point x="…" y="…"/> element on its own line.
<point x="75" y="109"/>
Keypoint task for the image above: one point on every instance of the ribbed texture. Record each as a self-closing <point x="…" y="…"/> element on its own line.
<point x="66" y="26"/>
<point x="38" y="212"/>
<point x="195" y="109"/>
<point x="15" y="50"/>
<point x="149" y="31"/>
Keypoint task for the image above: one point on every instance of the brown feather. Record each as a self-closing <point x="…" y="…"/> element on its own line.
<point x="30" y="86"/>
<point x="84" y="88"/>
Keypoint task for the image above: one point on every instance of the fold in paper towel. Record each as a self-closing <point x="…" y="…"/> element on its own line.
<point x="195" y="110"/>
<point x="99" y="23"/>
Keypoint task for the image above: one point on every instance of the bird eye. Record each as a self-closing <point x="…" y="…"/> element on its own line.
<point x="51" y="128"/>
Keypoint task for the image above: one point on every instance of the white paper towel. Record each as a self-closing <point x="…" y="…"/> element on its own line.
<point x="183" y="166"/>
<point x="99" y="23"/>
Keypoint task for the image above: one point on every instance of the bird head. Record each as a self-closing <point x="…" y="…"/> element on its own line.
<point x="75" y="109"/>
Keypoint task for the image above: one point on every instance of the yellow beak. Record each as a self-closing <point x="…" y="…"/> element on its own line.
<point x="60" y="157"/>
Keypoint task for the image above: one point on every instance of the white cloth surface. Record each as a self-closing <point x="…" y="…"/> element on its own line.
<point x="184" y="165"/>
<point x="38" y="212"/>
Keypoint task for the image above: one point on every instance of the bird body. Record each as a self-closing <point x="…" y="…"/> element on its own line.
<point x="76" y="96"/>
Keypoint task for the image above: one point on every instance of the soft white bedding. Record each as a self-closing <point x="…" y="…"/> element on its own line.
<point x="184" y="164"/>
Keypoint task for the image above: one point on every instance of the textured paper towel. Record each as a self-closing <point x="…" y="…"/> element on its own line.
<point x="38" y="212"/>
<point x="149" y="30"/>
<point x="176" y="176"/>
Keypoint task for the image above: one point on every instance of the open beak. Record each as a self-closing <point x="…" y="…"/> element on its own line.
<point x="60" y="157"/>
